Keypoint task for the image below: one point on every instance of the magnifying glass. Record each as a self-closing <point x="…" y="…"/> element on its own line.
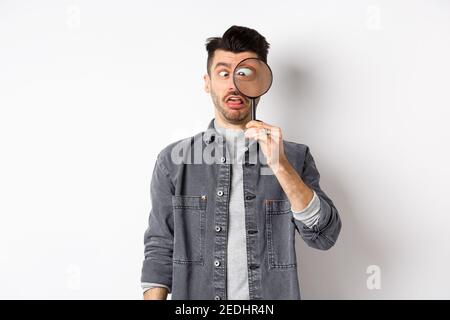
<point x="252" y="77"/>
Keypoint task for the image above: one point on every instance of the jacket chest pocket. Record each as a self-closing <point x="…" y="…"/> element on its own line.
<point x="189" y="213"/>
<point x="280" y="234"/>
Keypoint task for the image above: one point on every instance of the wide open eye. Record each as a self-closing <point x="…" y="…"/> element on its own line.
<point x="244" y="72"/>
<point x="223" y="73"/>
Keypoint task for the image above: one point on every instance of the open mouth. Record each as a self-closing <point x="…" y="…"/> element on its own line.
<point x="235" y="102"/>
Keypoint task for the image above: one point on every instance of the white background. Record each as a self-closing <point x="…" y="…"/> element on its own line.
<point x="91" y="91"/>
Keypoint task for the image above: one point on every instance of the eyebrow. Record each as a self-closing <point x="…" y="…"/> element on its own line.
<point x="228" y="65"/>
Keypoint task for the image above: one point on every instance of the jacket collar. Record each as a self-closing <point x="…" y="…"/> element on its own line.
<point x="212" y="135"/>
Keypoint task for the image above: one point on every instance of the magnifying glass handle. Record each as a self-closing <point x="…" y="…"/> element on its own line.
<point x="253" y="109"/>
<point x="254" y="118"/>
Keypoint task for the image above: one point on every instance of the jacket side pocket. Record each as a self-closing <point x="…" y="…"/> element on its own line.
<point x="189" y="213"/>
<point x="280" y="234"/>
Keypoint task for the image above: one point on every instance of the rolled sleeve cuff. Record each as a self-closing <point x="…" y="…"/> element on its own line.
<point x="157" y="271"/>
<point x="309" y="215"/>
<point x="149" y="285"/>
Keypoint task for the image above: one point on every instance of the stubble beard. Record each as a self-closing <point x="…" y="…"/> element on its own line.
<point x="234" y="117"/>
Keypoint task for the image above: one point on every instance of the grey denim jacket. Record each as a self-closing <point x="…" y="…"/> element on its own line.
<point x="186" y="240"/>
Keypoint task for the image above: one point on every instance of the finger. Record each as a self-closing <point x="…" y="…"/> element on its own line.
<point x="262" y="135"/>
<point x="252" y="123"/>
<point x="272" y="130"/>
<point x="259" y="133"/>
<point x="258" y="124"/>
<point x="257" y="136"/>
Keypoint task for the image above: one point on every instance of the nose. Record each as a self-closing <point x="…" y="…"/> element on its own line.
<point x="231" y="86"/>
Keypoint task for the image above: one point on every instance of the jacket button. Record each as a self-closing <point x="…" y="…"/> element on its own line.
<point x="218" y="228"/>
<point x="220" y="193"/>
<point x="217" y="263"/>
<point x="223" y="159"/>
<point x="216" y="298"/>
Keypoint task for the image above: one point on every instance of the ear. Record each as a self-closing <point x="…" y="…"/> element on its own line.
<point x="207" y="83"/>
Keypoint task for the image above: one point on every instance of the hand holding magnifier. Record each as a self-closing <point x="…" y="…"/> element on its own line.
<point x="252" y="77"/>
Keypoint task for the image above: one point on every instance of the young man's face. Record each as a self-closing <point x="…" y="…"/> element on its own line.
<point x="231" y="106"/>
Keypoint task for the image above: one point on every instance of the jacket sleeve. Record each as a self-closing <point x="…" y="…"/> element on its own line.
<point x="158" y="238"/>
<point x="324" y="233"/>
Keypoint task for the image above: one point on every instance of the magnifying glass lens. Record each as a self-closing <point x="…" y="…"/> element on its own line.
<point x="252" y="77"/>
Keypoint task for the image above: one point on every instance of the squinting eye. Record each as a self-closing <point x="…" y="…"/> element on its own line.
<point x="223" y="73"/>
<point x="244" y="72"/>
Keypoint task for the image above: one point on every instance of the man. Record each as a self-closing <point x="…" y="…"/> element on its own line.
<point x="223" y="226"/>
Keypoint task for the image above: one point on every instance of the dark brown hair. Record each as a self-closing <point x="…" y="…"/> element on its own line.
<point x="237" y="39"/>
